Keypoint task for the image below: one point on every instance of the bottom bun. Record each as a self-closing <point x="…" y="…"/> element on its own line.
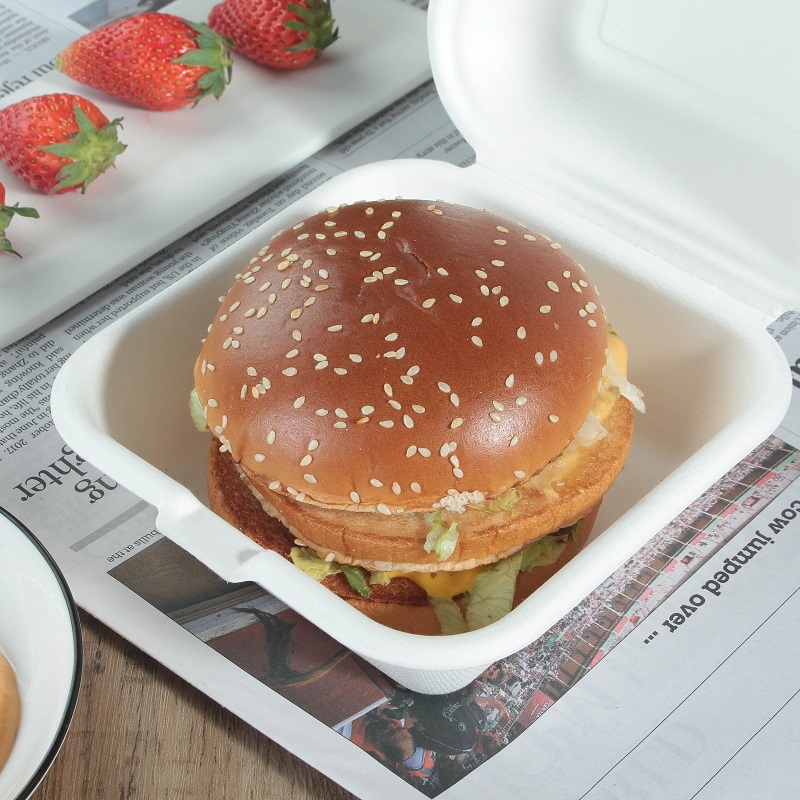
<point x="401" y="604"/>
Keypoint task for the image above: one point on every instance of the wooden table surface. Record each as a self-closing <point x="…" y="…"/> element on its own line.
<point x="139" y="731"/>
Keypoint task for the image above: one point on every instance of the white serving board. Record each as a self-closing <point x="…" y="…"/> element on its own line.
<point x="183" y="167"/>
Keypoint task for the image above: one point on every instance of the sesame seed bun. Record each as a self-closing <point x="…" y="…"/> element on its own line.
<point x="378" y="356"/>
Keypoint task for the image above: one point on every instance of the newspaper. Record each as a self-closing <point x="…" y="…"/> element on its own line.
<point x="675" y="678"/>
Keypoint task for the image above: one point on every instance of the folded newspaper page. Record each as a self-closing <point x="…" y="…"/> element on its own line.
<point x="675" y="678"/>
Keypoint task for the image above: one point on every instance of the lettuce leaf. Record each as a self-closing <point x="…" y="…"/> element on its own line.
<point x="492" y="596"/>
<point x="504" y="502"/>
<point x="196" y="410"/>
<point x="448" y="614"/>
<point x="543" y="552"/>
<point x="307" y="560"/>
<point x="441" y="539"/>
<point x="357" y="579"/>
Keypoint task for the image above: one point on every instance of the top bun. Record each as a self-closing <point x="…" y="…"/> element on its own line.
<point x="383" y="355"/>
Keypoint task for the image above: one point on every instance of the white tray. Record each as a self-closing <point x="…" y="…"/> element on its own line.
<point x="183" y="167"/>
<point x="715" y="382"/>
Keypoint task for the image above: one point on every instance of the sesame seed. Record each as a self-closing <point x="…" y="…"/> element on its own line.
<point x="299" y="402"/>
<point x="292" y="353"/>
<point x="555" y="246"/>
<point x="443" y="386"/>
<point x="553" y="355"/>
<point x="457" y="422"/>
<point x="271" y="437"/>
<point x="500" y="241"/>
<point x="306" y="460"/>
<point x="477" y="321"/>
<point x="289" y="372"/>
<point x="495" y="416"/>
<point x="309" y="478"/>
<point x="334" y="328"/>
<point x="367" y="409"/>
<point x="476" y="340"/>
<point x="518" y="473"/>
<point x="444" y="450"/>
<point x="275" y="485"/>
<point x="485" y="290"/>
<point x="259" y="457"/>
<point x="411" y="371"/>
<point x="340" y="370"/>
<point x="429" y="302"/>
<point x="591" y="323"/>
<point x="251" y="371"/>
<point x="514" y="441"/>
<point x="296" y="313"/>
<point x="408" y="421"/>
<point x="442" y="271"/>
<point x="454" y="399"/>
<point x="367" y="317"/>
<point x="553" y="418"/>
<point x="411" y="450"/>
<point x="396" y="488"/>
<point x="340" y="412"/>
<point x="456" y="299"/>
<point x="539" y="357"/>
<point x="313" y="445"/>
<point x="321" y="412"/>
<point x="521" y="400"/>
<point x="503" y="301"/>
<point x="552" y="285"/>
<point x="355" y="357"/>
<point x="340" y="424"/>
<point x="386" y="423"/>
<point x="545" y="309"/>
<point x="415" y="487"/>
<point x="395" y="405"/>
<point x="521" y="332"/>
<point x="498" y="263"/>
<point x="510" y="381"/>
<point x="388" y="389"/>
<point x="498" y="405"/>
<point x="376" y="483"/>
<point x="354" y="496"/>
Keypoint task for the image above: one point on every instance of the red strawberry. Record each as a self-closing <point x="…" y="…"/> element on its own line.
<point x="152" y="60"/>
<point x="57" y="142"/>
<point x="6" y="213"/>
<point x="276" y="33"/>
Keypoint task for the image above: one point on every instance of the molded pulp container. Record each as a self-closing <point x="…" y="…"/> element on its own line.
<point x="625" y="132"/>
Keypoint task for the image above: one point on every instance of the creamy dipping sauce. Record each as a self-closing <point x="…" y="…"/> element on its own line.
<point x="10" y="709"/>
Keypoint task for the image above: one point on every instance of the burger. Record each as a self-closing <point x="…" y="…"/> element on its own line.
<point x="419" y="403"/>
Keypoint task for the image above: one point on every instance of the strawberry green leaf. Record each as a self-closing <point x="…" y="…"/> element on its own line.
<point x="6" y="214"/>
<point x="317" y="22"/>
<point x="91" y="151"/>
<point x="212" y="52"/>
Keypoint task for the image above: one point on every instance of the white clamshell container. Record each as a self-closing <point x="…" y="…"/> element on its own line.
<point x="636" y="136"/>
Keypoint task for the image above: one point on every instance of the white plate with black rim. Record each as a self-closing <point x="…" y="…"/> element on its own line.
<point x="40" y="636"/>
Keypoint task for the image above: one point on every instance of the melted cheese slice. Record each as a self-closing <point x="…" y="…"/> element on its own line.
<point x="449" y="584"/>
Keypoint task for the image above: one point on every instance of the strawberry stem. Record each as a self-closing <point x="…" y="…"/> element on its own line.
<point x="91" y="151"/>
<point x="317" y="22"/>
<point x="211" y="52"/>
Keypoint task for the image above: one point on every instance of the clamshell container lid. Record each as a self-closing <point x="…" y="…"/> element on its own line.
<point x="672" y="123"/>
